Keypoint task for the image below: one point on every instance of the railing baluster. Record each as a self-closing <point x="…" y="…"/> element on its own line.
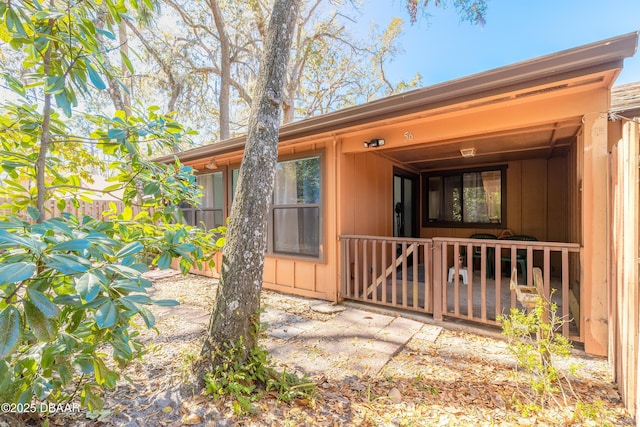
<point x="356" y="269"/>
<point x="365" y="270"/>
<point x="414" y="245"/>
<point x="566" y="307"/>
<point x="483" y="282"/>
<point x="374" y="269"/>
<point x="383" y="267"/>
<point x="404" y="274"/>
<point x="371" y="261"/>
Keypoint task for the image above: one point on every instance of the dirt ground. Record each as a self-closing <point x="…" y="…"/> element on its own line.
<point x="459" y="379"/>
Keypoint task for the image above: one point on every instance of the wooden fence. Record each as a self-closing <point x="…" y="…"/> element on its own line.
<point x="623" y="267"/>
<point x="94" y="209"/>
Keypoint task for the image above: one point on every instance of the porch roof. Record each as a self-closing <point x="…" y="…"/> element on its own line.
<point x="604" y="58"/>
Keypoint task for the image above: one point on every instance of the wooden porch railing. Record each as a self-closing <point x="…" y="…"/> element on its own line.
<point x="388" y="271"/>
<point x="413" y="274"/>
<point x="487" y="296"/>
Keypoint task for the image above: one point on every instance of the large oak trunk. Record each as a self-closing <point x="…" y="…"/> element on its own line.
<point x="238" y="298"/>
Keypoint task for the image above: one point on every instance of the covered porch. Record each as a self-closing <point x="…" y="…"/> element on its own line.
<point x="424" y="205"/>
<point x="421" y="275"/>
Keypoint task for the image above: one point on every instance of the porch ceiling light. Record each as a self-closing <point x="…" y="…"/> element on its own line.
<point x="468" y="152"/>
<point x="212" y="165"/>
<point x="374" y="143"/>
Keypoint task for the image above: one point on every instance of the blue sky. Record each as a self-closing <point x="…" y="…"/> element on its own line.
<point x="443" y="48"/>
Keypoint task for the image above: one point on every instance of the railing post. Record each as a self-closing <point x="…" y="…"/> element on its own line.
<point x="437" y="280"/>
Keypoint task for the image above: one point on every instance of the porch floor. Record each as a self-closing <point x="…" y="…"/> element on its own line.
<point x="385" y="296"/>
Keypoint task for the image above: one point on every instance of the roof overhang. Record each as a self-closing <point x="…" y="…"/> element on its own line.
<point x="597" y="64"/>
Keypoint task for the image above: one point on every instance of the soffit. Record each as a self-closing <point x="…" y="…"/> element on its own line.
<point x="601" y="61"/>
<point x="541" y="141"/>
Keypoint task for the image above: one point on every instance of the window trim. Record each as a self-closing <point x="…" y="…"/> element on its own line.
<point x="460" y="172"/>
<point x="200" y="210"/>
<point x="321" y="213"/>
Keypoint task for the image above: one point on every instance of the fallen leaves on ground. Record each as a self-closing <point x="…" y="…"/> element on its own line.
<point x="460" y="379"/>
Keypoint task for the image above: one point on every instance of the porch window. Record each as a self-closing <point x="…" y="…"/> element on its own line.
<point x="295" y="212"/>
<point x="465" y="198"/>
<point x="210" y="213"/>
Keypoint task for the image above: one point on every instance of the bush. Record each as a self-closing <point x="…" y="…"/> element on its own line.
<point x="71" y="294"/>
<point x="247" y="379"/>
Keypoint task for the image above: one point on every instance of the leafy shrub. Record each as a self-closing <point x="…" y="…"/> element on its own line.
<point x="248" y="379"/>
<point x="535" y="342"/>
<point x="71" y="292"/>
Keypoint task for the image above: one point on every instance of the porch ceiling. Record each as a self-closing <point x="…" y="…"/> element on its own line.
<point x="542" y="141"/>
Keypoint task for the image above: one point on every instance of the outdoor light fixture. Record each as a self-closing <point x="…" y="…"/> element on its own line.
<point x="374" y="143"/>
<point x="468" y="152"/>
<point x="212" y="165"/>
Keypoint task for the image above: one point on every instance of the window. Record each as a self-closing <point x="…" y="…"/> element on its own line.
<point x="211" y="209"/>
<point x="295" y="212"/>
<point x="465" y="198"/>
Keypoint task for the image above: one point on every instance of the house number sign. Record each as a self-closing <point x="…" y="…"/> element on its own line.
<point x="408" y="136"/>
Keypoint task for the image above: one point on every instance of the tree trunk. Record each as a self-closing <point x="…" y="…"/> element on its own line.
<point x="238" y="298"/>
<point x="225" y="71"/>
<point x="45" y="141"/>
<point x="126" y="75"/>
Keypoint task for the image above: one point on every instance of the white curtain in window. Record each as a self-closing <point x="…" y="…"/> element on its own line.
<point x="206" y="181"/>
<point x="286" y="223"/>
<point x="492" y="188"/>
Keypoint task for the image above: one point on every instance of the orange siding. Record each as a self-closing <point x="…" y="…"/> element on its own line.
<point x="366" y="195"/>
<point x="308" y="277"/>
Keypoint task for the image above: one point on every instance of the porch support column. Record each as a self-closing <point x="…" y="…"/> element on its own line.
<point x="593" y="299"/>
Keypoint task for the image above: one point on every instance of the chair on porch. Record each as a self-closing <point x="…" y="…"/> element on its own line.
<point x="521" y="254"/>
<point x="477" y="252"/>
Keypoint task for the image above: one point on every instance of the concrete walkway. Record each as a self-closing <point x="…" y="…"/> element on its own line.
<point x="346" y="342"/>
<point x="353" y="342"/>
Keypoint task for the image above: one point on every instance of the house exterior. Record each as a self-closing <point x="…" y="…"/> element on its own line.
<point x="427" y="200"/>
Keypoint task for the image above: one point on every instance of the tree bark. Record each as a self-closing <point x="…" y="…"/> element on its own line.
<point x="238" y="298"/>
<point x="45" y="138"/>
<point x="225" y="71"/>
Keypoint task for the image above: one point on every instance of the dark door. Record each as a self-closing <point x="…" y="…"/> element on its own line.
<point x="405" y="189"/>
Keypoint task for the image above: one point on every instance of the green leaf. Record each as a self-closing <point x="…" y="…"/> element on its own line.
<point x="68" y="264"/>
<point x="164" y="261"/>
<point x="88" y="286"/>
<point x="100" y="370"/>
<point x="33" y="213"/>
<point x="107" y="34"/>
<point x="166" y="302"/>
<point x="95" y="77"/>
<point x="72" y="245"/>
<point x="117" y="133"/>
<point x="14" y="24"/>
<point x="40" y="325"/>
<point x="127" y="213"/>
<point x="147" y="316"/>
<point x="138" y="299"/>
<point x="151" y="188"/>
<point x="54" y="85"/>
<point x="63" y="101"/>
<point x="16" y="240"/>
<point x="130" y="249"/>
<point x="15" y="85"/>
<point x="43" y="303"/>
<point x="106" y="315"/>
<point x="123" y="270"/>
<point x="127" y="62"/>
<point x="16" y="272"/>
<point x="11" y="327"/>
